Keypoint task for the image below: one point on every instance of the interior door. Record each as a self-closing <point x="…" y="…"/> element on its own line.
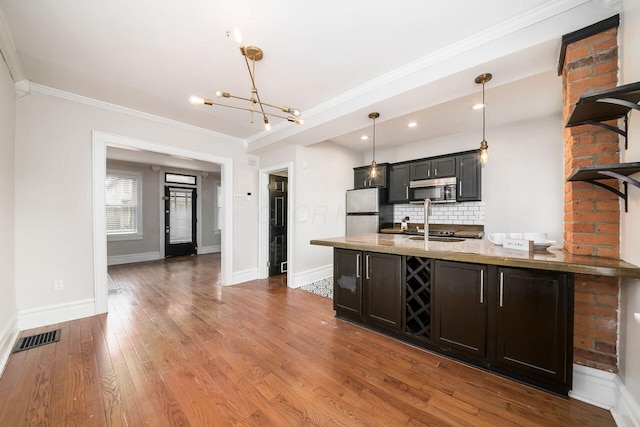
<point x="179" y="221"/>
<point x="278" y="187"/>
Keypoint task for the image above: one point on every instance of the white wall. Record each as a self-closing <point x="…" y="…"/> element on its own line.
<point x="208" y="202"/>
<point x="522" y="183"/>
<point x="54" y="192"/>
<point x="321" y="175"/>
<point x="8" y="310"/>
<point x="630" y="221"/>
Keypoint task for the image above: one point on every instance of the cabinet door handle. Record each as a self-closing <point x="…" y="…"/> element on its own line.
<point x="428" y="173"/>
<point x="481" y="286"/>
<point x="460" y="192"/>
<point x="435" y="172"/>
<point x="367" y="267"/>
<point x="357" y="266"/>
<point x="501" y="287"/>
<point x="407" y="188"/>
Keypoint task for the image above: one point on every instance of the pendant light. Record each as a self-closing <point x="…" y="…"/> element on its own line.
<point x="484" y="146"/>
<point x="373" y="171"/>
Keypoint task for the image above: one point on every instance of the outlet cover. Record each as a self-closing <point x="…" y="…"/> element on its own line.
<point x="58" y="285"/>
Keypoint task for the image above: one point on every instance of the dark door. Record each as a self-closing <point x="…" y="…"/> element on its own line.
<point x="277" y="224"/>
<point x="179" y="221"/>
<point x="469" y="178"/>
<point x="347" y="283"/>
<point x="399" y="177"/>
<point x="383" y="290"/>
<point x="460" y="306"/>
<point x="533" y="321"/>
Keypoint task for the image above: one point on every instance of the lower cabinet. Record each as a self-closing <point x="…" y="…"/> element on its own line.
<point x="368" y="288"/>
<point x="534" y="324"/>
<point x="513" y="321"/>
<point x="460" y="309"/>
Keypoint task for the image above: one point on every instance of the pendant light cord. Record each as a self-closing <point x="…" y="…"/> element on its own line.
<point x="484" y="108"/>
<point x="374" y="140"/>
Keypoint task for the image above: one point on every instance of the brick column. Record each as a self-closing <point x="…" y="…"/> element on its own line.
<point x="592" y="214"/>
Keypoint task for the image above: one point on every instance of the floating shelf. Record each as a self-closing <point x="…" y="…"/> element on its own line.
<point x="619" y="171"/>
<point x="605" y="105"/>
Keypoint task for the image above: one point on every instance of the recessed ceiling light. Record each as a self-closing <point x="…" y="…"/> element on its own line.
<point x="413" y="124"/>
<point x="364" y="137"/>
<point x="478" y="106"/>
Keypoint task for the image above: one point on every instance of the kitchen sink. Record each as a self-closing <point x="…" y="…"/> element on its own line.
<point x="438" y="239"/>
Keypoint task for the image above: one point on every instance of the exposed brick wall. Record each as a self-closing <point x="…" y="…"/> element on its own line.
<point x="595" y="330"/>
<point x="592" y="214"/>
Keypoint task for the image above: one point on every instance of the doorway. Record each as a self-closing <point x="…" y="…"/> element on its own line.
<point x="180" y="219"/>
<point x="285" y="212"/>
<point x="278" y="188"/>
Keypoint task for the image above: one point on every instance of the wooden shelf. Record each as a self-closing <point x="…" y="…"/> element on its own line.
<point x="605" y="105"/>
<point x="621" y="171"/>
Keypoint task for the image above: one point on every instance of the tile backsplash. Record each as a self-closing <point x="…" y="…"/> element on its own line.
<point x="446" y="213"/>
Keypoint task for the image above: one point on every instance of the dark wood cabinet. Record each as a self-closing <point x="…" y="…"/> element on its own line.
<point x="399" y="177"/>
<point x="469" y="174"/>
<point x="421" y="170"/>
<point x="367" y="287"/>
<point x="460" y="312"/>
<point x="533" y="320"/>
<point x="383" y="290"/>
<point x="361" y="178"/>
<point x="438" y="167"/>
<point x="444" y="167"/>
<point x="347" y="283"/>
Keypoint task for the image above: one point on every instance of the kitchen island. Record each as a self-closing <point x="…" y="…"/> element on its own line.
<point x="507" y="311"/>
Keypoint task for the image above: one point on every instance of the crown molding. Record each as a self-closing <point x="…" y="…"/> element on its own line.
<point x="131" y="112"/>
<point x="541" y="13"/>
<point x="8" y="51"/>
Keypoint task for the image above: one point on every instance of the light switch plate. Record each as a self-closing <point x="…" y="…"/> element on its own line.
<point x="637" y="316"/>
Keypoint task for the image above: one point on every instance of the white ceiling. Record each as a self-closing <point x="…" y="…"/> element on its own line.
<point x="335" y="60"/>
<point x="159" y="159"/>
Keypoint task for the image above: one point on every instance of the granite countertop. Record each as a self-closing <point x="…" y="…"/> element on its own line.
<point x="484" y="252"/>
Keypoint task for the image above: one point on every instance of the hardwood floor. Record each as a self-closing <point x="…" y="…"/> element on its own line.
<point x="176" y="348"/>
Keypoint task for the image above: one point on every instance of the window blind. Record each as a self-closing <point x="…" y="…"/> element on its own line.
<point x="122" y="204"/>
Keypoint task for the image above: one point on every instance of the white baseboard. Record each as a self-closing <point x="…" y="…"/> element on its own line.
<point x="8" y="336"/>
<point x="310" y="276"/>
<point x="626" y="411"/>
<point x="244" y="275"/>
<point x="209" y="249"/>
<point x="594" y="386"/>
<point x="42" y="316"/>
<point x="128" y="259"/>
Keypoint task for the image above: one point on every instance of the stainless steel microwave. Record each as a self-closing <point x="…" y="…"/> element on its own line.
<point x="440" y="190"/>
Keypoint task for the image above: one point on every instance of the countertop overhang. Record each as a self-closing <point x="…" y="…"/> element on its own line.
<point x="484" y="252"/>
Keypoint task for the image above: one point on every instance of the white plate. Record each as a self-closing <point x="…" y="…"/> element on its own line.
<point x="543" y="245"/>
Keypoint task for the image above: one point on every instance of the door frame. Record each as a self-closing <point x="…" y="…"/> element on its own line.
<point x="100" y="142"/>
<point x="263" y="224"/>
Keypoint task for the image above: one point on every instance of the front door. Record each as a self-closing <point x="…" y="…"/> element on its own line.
<point x="179" y="221"/>
<point x="277" y="225"/>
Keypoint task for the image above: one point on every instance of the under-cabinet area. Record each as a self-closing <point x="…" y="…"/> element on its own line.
<point x="513" y="321"/>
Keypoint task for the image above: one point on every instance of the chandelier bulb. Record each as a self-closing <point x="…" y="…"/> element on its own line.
<point x="196" y="100"/>
<point x="238" y="36"/>
<point x="267" y="125"/>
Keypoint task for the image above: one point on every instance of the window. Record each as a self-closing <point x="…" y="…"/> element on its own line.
<point x="123" y="199"/>
<point x="177" y="178"/>
<point x="218" y="207"/>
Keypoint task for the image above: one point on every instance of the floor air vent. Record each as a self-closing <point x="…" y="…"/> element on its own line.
<point x="26" y="343"/>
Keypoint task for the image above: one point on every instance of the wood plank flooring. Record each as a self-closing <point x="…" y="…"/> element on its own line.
<point x="178" y="349"/>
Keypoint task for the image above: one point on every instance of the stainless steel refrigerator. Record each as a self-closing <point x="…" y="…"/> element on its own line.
<point x="368" y="211"/>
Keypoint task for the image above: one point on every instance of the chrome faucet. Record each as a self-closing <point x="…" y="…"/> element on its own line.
<point x="427" y="211"/>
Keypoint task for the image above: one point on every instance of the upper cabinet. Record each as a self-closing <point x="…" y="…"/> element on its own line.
<point x="399" y="178"/>
<point x="439" y="167"/>
<point x="361" y="178"/>
<point x="469" y="177"/>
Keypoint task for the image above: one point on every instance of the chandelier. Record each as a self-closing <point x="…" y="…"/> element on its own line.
<point x="251" y="55"/>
